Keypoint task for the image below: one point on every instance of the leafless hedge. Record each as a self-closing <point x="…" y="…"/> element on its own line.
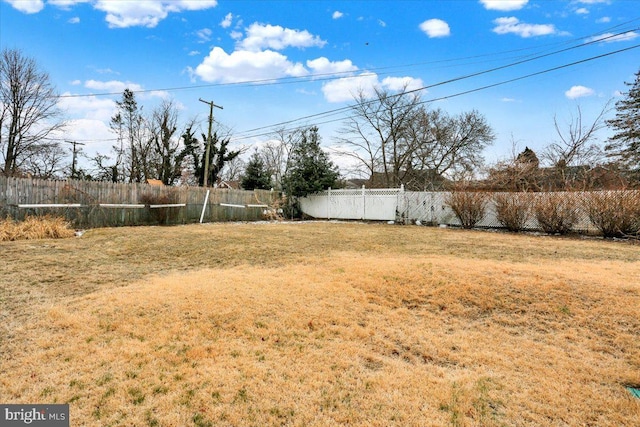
<point x="512" y="210"/>
<point x="469" y="207"/>
<point x="614" y="213"/>
<point x="556" y="213"/>
<point x="609" y="213"/>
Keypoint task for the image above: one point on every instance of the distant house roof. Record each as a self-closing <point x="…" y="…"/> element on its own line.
<point x="231" y="185"/>
<point x="413" y="180"/>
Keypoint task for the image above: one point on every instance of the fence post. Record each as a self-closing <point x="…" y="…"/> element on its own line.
<point x="329" y="203"/>
<point x="401" y="205"/>
<point x="364" y="204"/>
<point x="204" y="206"/>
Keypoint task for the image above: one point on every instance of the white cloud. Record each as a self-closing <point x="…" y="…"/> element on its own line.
<point x="96" y="136"/>
<point x="204" y="35"/>
<point x="579" y="92"/>
<point x="323" y="66"/>
<point x="27" y="6"/>
<point x="194" y="53"/>
<point x="74" y="20"/>
<point x="435" y="28"/>
<point x="344" y="89"/>
<point x="66" y="4"/>
<point x="610" y="37"/>
<point x="337" y="15"/>
<point x="504" y="5"/>
<point x="106" y="71"/>
<point x="123" y="14"/>
<point x="243" y="65"/>
<point x="111" y="86"/>
<point x="227" y="21"/>
<point x="88" y="107"/>
<point x="396" y="84"/>
<point x="582" y="11"/>
<point x="603" y="20"/>
<point x="513" y="25"/>
<point x="277" y="38"/>
<point x="306" y="92"/>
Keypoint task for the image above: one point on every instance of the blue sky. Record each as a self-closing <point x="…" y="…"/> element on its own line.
<point x="269" y="62"/>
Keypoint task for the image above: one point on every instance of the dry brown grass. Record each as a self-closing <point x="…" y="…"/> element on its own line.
<point x="322" y="324"/>
<point x="34" y="227"/>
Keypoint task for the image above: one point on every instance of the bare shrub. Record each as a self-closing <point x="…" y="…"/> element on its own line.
<point x="34" y="227"/>
<point x="614" y="213"/>
<point x="556" y="213"/>
<point x="512" y="210"/>
<point x="160" y="215"/>
<point x="275" y="211"/>
<point x="469" y="206"/>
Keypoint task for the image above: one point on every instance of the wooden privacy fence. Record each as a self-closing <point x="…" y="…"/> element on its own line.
<point x="90" y="204"/>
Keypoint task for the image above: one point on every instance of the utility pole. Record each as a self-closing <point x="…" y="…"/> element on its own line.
<point x="73" y="161"/>
<point x="208" y="149"/>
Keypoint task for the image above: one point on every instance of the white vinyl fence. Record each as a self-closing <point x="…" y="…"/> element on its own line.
<point x="375" y="205"/>
<point x="384" y="204"/>
<point x="407" y="207"/>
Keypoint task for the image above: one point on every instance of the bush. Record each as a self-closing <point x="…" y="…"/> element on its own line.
<point x="469" y="207"/>
<point x="33" y="227"/>
<point x="160" y="215"/>
<point x="556" y="213"/>
<point x="512" y="210"/>
<point x="614" y="213"/>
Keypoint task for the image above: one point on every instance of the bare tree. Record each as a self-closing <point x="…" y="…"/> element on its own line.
<point x="400" y="141"/>
<point x="46" y="161"/>
<point x="377" y="130"/>
<point x="28" y="110"/>
<point x="576" y="145"/>
<point x="133" y="143"/>
<point x="165" y="162"/>
<point x="233" y="170"/>
<point x="449" y="145"/>
<point x="275" y="154"/>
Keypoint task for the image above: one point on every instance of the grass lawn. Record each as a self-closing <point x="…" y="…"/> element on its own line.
<point x="322" y="324"/>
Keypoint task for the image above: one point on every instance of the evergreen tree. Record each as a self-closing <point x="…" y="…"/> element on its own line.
<point x="256" y="175"/>
<point x="194" y="152"/>
<point x="132" y="147"/>
<point x="218" y="156"/>
<point x="625" y="143"/>
<point x="310" y="169"/>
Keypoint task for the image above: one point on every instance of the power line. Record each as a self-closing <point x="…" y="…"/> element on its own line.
<point x="455" y="79"/>
<point x="336" y="111"/>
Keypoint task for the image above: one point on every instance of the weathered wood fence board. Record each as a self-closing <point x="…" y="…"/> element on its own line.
<point x="90" y="194"/>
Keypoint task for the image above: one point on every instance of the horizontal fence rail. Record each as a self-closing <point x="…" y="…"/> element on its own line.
<point x="432" y="208"/>
<point x="90" y="204"/>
